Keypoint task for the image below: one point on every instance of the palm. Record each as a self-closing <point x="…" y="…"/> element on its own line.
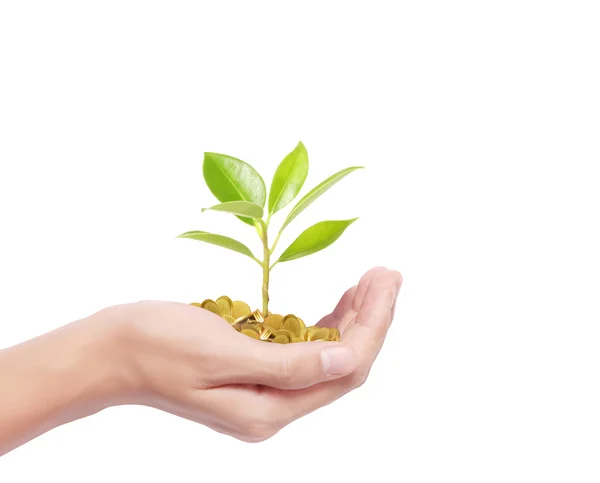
<point x="363" y="316"/>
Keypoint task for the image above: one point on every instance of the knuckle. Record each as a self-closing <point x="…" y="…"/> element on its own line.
<point x="263" y="421"/>
<point x="257" y="435"/>
<point x="258" y="428"/>
<point x="361" y="378"/>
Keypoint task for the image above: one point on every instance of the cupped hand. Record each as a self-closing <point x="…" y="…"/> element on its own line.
<point x="191" y="363"/>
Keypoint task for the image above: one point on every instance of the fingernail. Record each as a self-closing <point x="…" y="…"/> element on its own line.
<point x="338" y="361"/>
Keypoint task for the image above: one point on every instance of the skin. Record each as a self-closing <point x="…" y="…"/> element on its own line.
<point x="187" y="361"/>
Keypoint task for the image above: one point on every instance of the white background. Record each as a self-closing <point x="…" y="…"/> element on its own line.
<point x="479" y="126"/>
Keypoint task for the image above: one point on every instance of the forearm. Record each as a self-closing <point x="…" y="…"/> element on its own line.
<point x="58" y="377"/>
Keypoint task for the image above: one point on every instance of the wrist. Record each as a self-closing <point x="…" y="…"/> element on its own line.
<point x="105" y="357"/>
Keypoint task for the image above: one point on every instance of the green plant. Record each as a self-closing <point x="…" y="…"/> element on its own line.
<point x="242" y="192"/>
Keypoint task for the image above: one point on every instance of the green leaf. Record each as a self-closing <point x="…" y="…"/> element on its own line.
<point x="317" y="191"/>
<point x="219" y="240"/>
<point x="231" y="179"/>
<point x="241" y="208"/>
<point x="288" y="179"/>
<point x="315" y="238"/>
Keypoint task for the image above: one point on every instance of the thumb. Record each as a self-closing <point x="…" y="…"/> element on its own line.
<point x="293" y="366"/>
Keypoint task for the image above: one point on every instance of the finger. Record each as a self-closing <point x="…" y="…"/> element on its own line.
<point x="365" y="282"/>
<point x="347" y="321"/>
<point x="239" y="410"/>
<point x="285" y="366"/>
<point x="344" y="305"/>
<point x="366" y="337"/>
<point x="362" y="289"/>
<point x="344" y="314"/>
<point x="368" y="332"/>
<point x="260" y="418"/>
<point x="400" y="279"/>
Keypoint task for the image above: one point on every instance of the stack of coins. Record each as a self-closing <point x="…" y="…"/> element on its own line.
<point x="271" y="328"/>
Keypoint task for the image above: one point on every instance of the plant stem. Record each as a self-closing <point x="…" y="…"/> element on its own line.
<point x="276" y="240"/>
<point x="266" y="269"/>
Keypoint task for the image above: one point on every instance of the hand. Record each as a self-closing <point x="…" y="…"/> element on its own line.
<point x="189" y="362"/>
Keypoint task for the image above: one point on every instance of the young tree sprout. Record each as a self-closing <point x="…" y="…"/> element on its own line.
<point x="242" y="192"/>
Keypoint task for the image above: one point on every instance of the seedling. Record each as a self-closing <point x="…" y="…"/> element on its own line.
<point x="242" y="192"/>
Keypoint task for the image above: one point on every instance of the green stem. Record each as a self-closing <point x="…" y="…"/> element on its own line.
<point x="265" y="264"/>
<point x="276" y="241"/>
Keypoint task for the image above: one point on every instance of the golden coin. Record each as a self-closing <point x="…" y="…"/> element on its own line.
<point x="308" y="334"/>
<point x="289" y="333"/>
<point x="274" y="321"/>
<point x="225" y="304"/>
<point x="229" y="319"/>
<point x="321" y="333"/>
<point x="258" y="316"/>
<point x="196" y="304"/>
<point x="240" y="309"/>
<point x="334" y="334"/>
<point x="250" y="333"/>
<point x="302" y="324"/>
<point x="281" y="339"/>
<point x="211" y="306"/>
<point x="250" y="326"/>
<point x="296" y="339"/>
<point x="290" y="322"/>
<point x="265" y="333"/>
<point x="243" y="318"/>
<point x="281" y="333"/>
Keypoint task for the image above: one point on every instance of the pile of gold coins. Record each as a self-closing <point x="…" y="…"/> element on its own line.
<point x="271" y="328"/>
